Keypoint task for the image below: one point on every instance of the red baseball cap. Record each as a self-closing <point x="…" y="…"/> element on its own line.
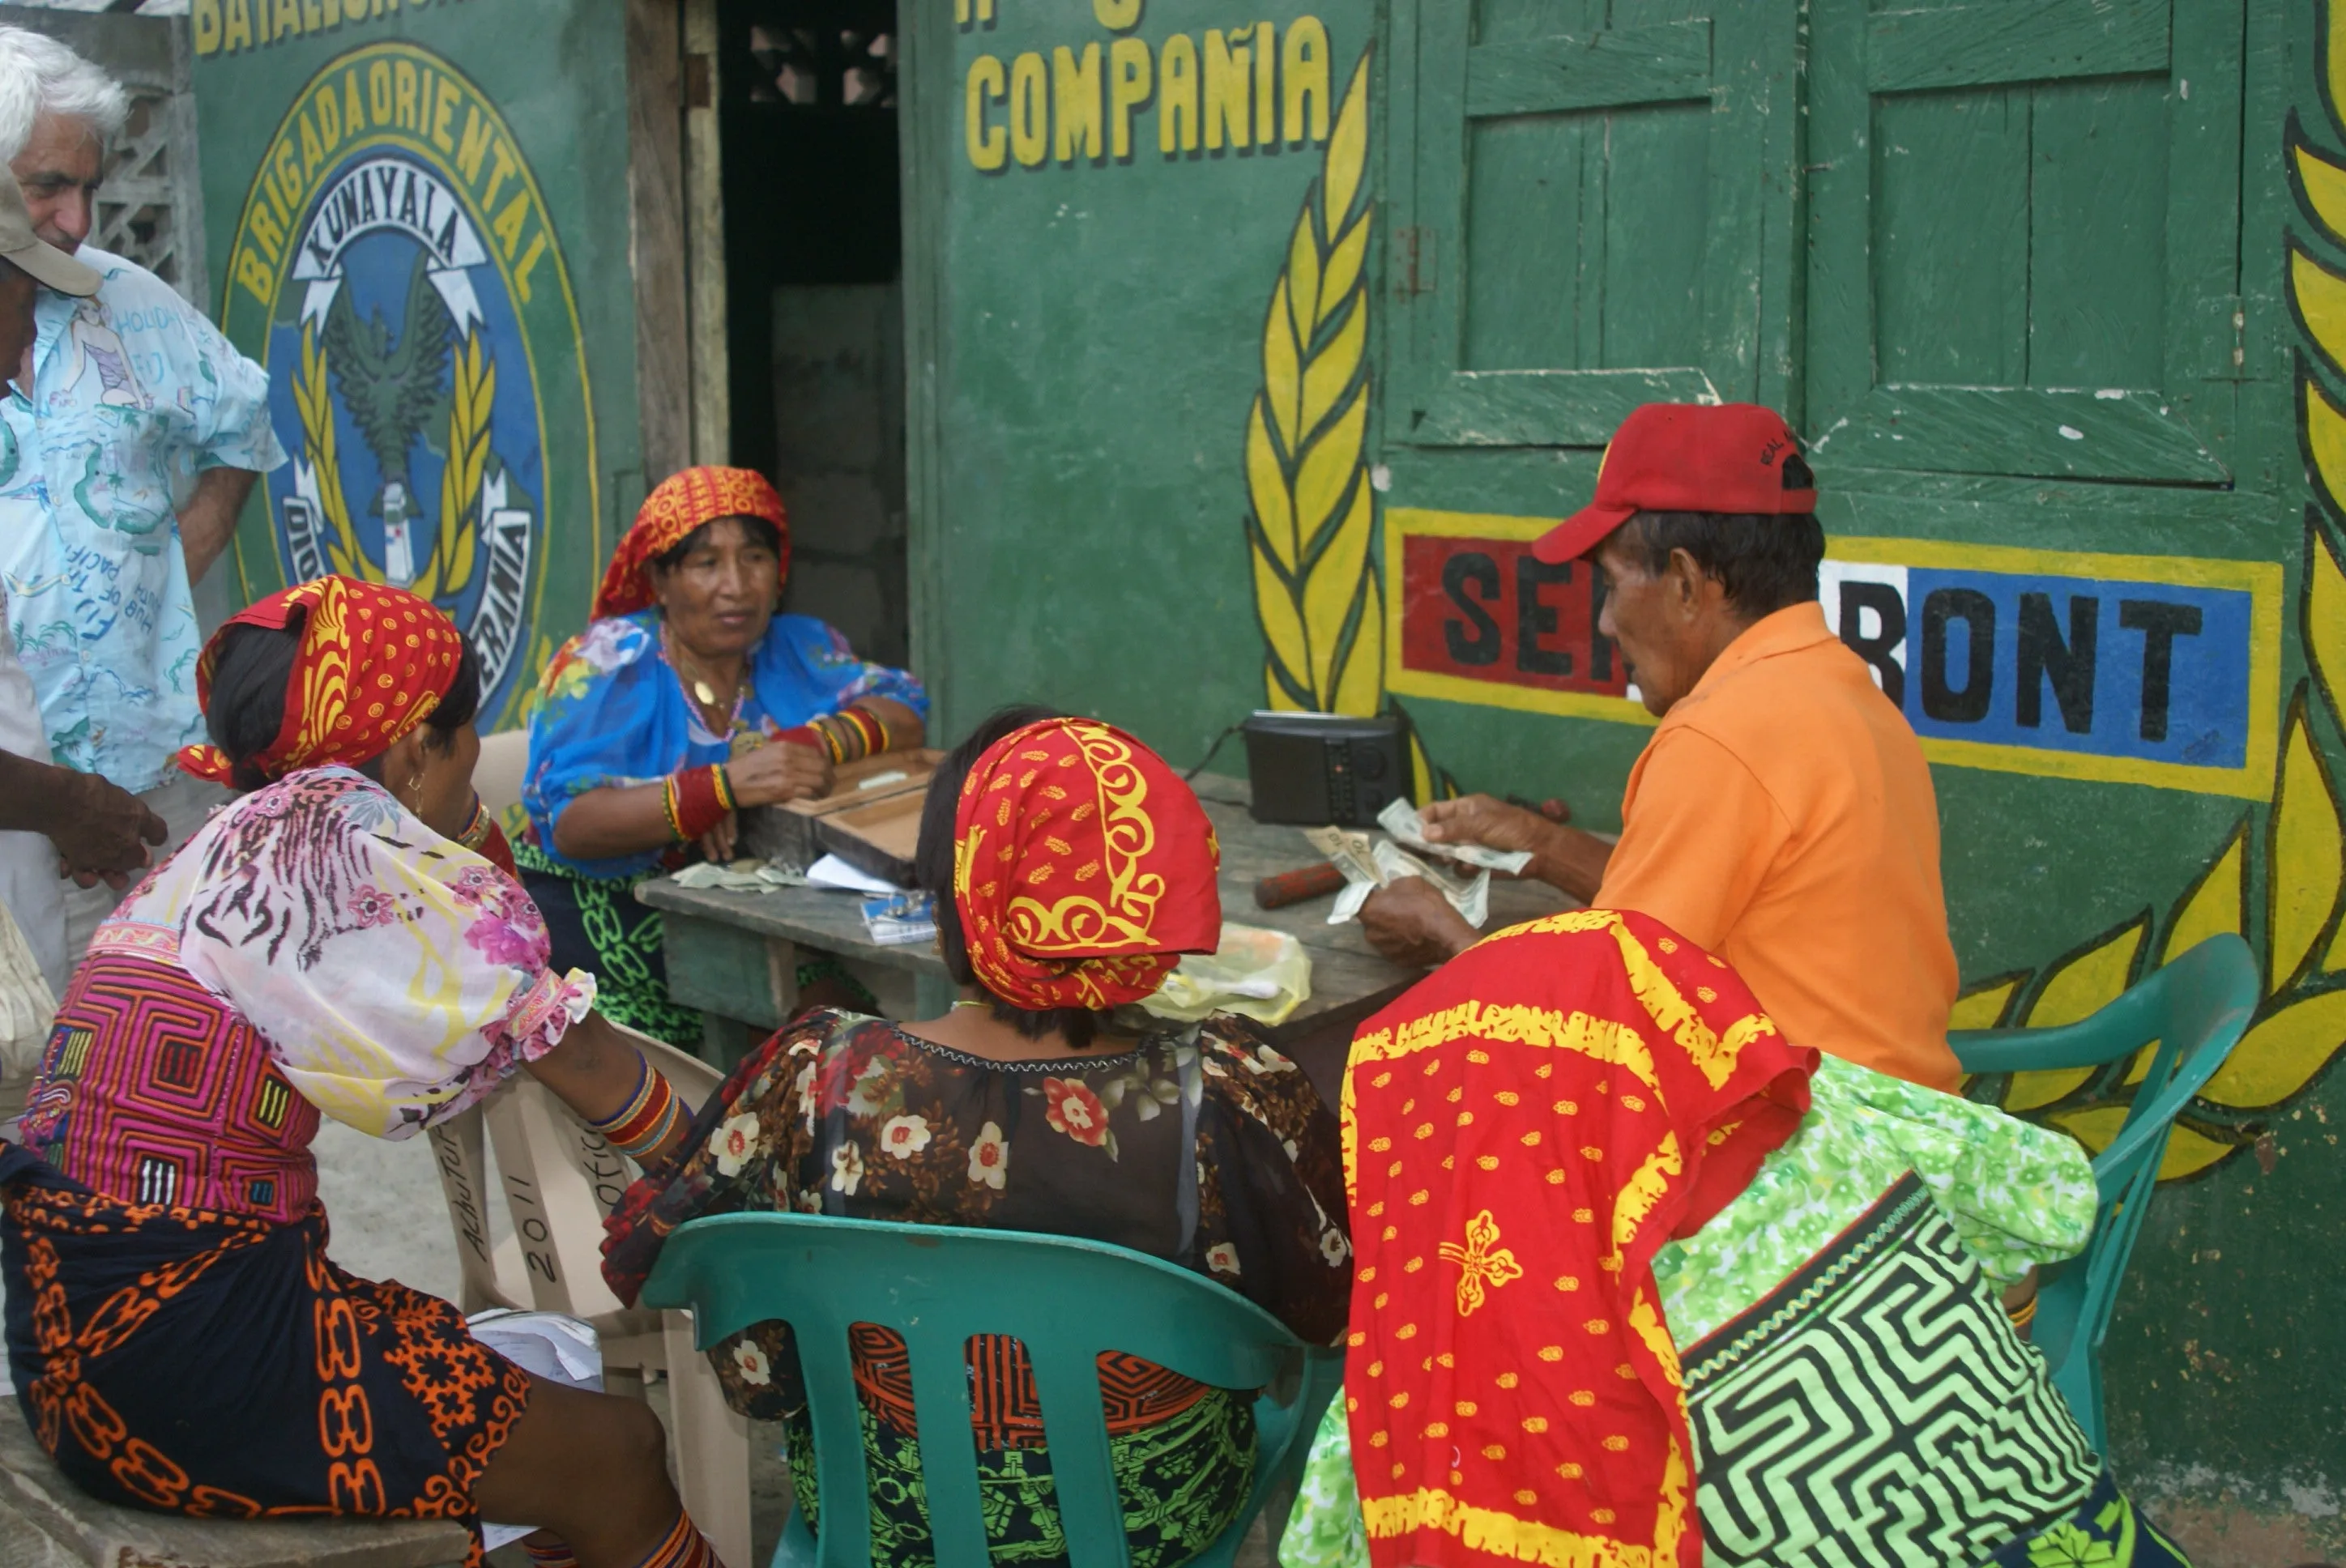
<point x="1688" y="457"/>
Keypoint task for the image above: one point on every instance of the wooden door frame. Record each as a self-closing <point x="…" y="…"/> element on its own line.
<point x="924" y="125"/>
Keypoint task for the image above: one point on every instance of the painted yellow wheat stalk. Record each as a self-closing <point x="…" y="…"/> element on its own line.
<point x="2290" y="896"/>
<point x="470" y="399"/>
<point x="1312" y="510"/>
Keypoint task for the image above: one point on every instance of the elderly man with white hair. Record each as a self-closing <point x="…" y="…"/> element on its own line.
<point x="133" y="440"/>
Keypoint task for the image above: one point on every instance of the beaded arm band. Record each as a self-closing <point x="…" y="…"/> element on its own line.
<point x="476" y="832"/>
<point x="485" y="839"/>
<point x="696" y="800"/>
<point x="645" y="1122"/>
<point x="846" y="736"/>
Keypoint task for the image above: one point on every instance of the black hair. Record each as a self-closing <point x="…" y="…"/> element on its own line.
<point x="248" y="698"/>
<point x="760" y="531"/>
<point x="1765" y="562"/>
<point x="933" y="868"/>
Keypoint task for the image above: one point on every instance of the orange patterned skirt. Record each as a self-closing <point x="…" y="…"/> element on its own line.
<point x="217" y="1365"/>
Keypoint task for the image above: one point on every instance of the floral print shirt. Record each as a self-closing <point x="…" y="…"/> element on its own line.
<point x="612" y="712"/>
<point x="134" y="396"/>
<point x="394" y="977"/>
<point x="1203" y="1146"/>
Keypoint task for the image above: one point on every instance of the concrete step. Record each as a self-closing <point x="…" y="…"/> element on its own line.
<point x="46" y="1521"/>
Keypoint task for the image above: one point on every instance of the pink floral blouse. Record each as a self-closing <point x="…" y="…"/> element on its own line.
<point x="313" y="948"/>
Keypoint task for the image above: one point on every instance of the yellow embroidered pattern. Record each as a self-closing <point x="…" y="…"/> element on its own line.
<point x="1548" y="1028"/>
<point x="1642" y="1192"/>
<point x="1080" y="922"/>
<point x="1485" y="1265"/>
<point x="1646" y="1323"/>
<point x="1503" y="1534"/>
<point x="1661" y="999"/>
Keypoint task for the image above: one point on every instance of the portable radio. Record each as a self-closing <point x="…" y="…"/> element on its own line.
<point x="1319" y="769"/>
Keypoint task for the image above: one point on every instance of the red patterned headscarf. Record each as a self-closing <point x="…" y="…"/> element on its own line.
<point x="1522" y="1134"/>
<point x="678" y="504"/>
<point x="375" y="662"/>
<point x="1083" y="868"/>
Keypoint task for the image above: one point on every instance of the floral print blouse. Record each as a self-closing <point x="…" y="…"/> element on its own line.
<point x="1203" y="1145"/>
<point x="613" y="712"/>
<point x="313" y="948"/>
<point x="396" y="977"/>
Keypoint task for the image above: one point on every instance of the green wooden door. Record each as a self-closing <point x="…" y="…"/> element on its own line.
<point x="2025" y="236"/>
<point x="1584" y="199"/>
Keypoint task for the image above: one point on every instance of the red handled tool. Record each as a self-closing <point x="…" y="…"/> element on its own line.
<point x="1293" y="887"/>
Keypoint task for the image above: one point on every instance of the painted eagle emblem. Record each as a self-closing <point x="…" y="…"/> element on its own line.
<point x="394" y="384"/>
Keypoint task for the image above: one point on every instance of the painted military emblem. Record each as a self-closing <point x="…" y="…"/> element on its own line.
<point x="394" y="270"/>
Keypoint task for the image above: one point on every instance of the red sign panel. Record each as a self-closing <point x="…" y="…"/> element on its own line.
<point x="1487" y="610"/>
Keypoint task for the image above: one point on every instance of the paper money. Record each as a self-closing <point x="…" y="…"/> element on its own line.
<point x="747" y="875"/>
<point x="1470" y="898"/>
<point x="1369" y="865"/>
<point x="1402" y="820"/>
<point x="1348" y="851"/>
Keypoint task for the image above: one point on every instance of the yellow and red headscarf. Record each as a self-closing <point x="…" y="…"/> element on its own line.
<point x="1083" y="868"/>
<point x="375" y="662"/>
<point x="1522" y="1134"/>
<point x="678" y="504"/>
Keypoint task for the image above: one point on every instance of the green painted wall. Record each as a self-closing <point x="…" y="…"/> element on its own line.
<point x="518" y="132"/>
<point x="1097" y="324"/>
<point x="1088" y="341"/>
<point x="1161" y="438"/>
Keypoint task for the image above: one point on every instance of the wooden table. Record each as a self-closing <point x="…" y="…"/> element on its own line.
<point x="735" y="955"/>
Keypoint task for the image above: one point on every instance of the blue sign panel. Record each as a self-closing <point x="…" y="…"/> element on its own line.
<point x="2153" y="670"/>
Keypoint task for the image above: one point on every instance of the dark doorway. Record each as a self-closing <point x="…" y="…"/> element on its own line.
<point x="813" y="260"/>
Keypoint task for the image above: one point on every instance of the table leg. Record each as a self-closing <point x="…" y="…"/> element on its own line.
<point x="725" y="1041"/>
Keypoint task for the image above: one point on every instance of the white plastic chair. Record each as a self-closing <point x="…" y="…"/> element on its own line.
<point x="560" y="1179"/>
<point x="503" y="763"/>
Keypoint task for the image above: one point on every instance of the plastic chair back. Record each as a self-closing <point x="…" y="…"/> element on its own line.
<point x="498" y="776"/>
<point x="559" y="1180"/>
<point x="1068" y="1300"/>
<point x="2196" y="1009"/>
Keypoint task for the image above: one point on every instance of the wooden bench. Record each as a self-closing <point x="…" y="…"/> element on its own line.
<point x="46" y="1521"/>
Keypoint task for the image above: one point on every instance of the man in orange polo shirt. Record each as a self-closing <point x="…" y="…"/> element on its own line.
<point x="1782" y="815"/>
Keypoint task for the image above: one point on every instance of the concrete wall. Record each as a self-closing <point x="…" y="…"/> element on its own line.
<point x="838" y="457"/>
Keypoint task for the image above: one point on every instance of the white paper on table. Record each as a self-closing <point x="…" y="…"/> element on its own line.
<point x="831" y="871"/>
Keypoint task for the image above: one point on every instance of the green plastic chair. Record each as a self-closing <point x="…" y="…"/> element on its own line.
<point x="2196" y="1008"/>
<point x="1068" y="1300"/>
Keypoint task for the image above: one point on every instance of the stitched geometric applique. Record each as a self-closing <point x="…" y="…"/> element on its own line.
<point x="1897" y="1420"/>
<point x="158" y="1178"/>
<point x="173" y="1097"/>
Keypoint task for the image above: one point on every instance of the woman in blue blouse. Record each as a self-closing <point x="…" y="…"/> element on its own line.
<point x="686" y="698"/>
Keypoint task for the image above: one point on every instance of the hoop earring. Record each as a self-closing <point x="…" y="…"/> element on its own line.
<point x="416" y="788"/>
